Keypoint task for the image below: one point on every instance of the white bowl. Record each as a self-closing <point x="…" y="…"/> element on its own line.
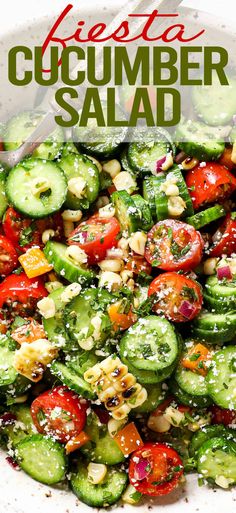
<point x="18" y="492"/>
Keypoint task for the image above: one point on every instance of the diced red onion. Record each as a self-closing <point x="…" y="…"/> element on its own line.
<point x="187" y="309"/>
<point x="142" y="469"/>
<point x="159" y="163"/>
<point x="224" y="272"/>
<point x="102" y="414"/>
<point x="12" y="463"/>
<point x="6" y="419"/>
<point x="180" y="157"/>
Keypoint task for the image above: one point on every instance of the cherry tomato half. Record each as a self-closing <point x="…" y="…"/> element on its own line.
<point x="21" y="293"/>
<point x="210" y="183"/>
<point x="95" y="236"/>
<point x="155" y="469"/>
<point x="222" y="416"/>
<point x="8" y="256"/>
<point x="25" y="232"/>
<point x="224" y="238"/>
<point x="177" y="297"/>
<point x="59" y="413"/>
<point x="174" y="246"/>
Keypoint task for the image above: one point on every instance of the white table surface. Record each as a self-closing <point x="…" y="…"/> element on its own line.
<point x="17" y="12"/>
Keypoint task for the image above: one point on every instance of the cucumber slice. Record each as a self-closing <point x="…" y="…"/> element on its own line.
<point x="42" y="458"/>
<point x="156" y="396"/>
<point x="101" y="495"/>
<point x="161" y="199"/>
<point x="102" y="448"/>
<point x="198" y="140"/>
<point x="21" y="181"/>
<point x="127" y="213"/>
<point x="150" y="190"/>
<point x="80" y="313"/>
<point x="3" y="199"/>
<point x="208" y="432"/>
<point x="194" y="401"/>
<point x="215" y="104"/>
<point x="80" y="166"/>
<point x="206" y="216"/>
<point x="54" y="326"/>
<point x="70" y="379"/>
<point x="190" y="382"/>
<point x="218" y="305"/>
<point x="146" y="221"/>
<point x="216" y="328"/>
<point x="143" y="156"/>
<point x="221" y="378"/>
<point x="82" y="361"/>
<point x="55" y="253"/>
<point x="147" y="377"/>
<point x="216" y="458"/>
<point x="8" y="373"/>
<point x="221" y="289"/>
<point x="151" y="344"/>
<point x="23" y="426"/>
<point x="20" y="127"/>
<point x="125" y="162"/>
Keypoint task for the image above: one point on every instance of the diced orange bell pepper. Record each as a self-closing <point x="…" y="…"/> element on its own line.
<point x="120" y="320"/>
<point x="77" y="442"/>
<point x="196" y="359"/>
<point x="128" y="439"/>
<point x="34" y="263"/>
<point x="3" y="328"/>
<point x="28" y="332"/>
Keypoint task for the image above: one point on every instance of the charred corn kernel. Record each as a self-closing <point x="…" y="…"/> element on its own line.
<point x="114" y="426"/>
<point x="233" y="155"/>
<point x="125" y="182"/>
<point x="176" y="206"/>
<point x="131" y="496"/>
<point x="223" y="481"/>
<point x="174" y="416"/>
<point x="138" y="398"/>
<point x="70" y="292"/>
<point x="111" y="265"/>
<point x="96" y="162"/>
<point x="110" y="280"/>
<point x="34" y="263"/>
<point x="21" y="399"/>
<point x="50" y="286"/>
<point x="76" y="254"/>
<point x="115" y="253"/>
<point x="118" y="373"/>
<point x="189" y="163"/>
<point x="103" y="383"/>
<point x="77" y="186"/>
<point x="168" y="162"/>
<point x="121" y="412"/>
<point x="114" y="402"/>
<point x="102" y="201"/>
<point x="96" y="322"/>
<point x="125" y="382"/>
<point x="93" y="374"/>
<point x="87" y="344"/>
<point x="112" y="167"/>
<point x="136" y="302"/>
<point x="109" y="364"/>
<point x="107" y="211"/>
<point x="96" y="472"/>
<point x="130" y="284"/>
<point x="72" y="215"/>
<point x="39" y="185"/>
<point x="172" y="190"/>
<point x="158" y="423"/>
<point x="107" y="394"/>
<point x="68" y="227"/>
<point x="123" y="244"/>
<point x="46" y="307"/>
<point x="31" y="359"/>
<point x="47" y="235"/>
<point x="126" y="275"/>
<point x="209" y="266"/>
<point x="137" y="242"/>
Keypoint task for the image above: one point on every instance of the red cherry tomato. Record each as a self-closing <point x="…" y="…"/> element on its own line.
<point x="155" y="469"/>
<point x="95" y="236"/>
<point x="174" y="246"/>
<point x="224" y="238"/>
<point x="59" y="413"/>
<point x="8" y="256"/>
<point x="21" y="293"/>
<point x="138" y="264"/>
<point x="25" y="232"/>
<point x="222" y="416"/>
<point x="210" y="183"/>
<point x="177" y="297"/>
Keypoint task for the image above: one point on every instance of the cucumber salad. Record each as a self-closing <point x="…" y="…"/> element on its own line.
<point x="118" y="312"/>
